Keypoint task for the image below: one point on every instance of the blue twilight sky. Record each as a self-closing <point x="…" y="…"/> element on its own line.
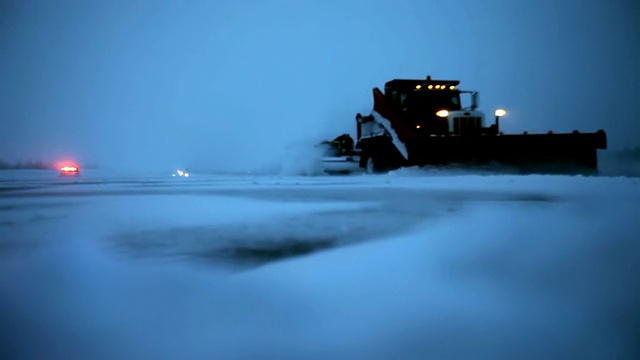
<point x="230" y="85"/>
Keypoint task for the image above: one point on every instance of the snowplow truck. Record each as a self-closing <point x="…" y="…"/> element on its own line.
<point x="422" y="122"/>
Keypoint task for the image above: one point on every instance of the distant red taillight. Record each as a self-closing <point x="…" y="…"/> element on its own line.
<point x="69" y="170"/>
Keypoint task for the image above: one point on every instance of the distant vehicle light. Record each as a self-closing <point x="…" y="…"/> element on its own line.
<point x="418" y="87"/>
<point x="180" y="173"/>
<point x="437" y="86"/>
<point x="430" y="86"/>
<point x="69" y="170"/>
<point x="500" y="112"/>
<point x="452" y="87"/>
<point x="417" y="126"/>
<point x="442" y="113"/>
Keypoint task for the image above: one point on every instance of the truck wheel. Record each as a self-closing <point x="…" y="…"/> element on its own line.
<point x="370" y="167"/>
<point x="373" y="166"/>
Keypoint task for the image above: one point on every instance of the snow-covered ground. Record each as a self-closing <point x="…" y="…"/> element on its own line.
<point x="408" y="265"/>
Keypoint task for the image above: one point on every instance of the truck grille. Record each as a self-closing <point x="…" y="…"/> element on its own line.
<point x="466" y="125"/>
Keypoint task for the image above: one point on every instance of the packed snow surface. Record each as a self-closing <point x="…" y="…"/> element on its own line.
<point x="408" y="265"/>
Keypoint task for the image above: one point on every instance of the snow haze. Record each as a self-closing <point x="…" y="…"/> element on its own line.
<point x="246" y="258"/>
<point x="228" y="86"/>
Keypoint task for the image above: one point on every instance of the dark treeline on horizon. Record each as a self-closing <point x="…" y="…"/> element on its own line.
<point x="25" y="165"/>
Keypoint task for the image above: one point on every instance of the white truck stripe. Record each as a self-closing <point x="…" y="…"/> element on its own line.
<point x="394" y="137"/>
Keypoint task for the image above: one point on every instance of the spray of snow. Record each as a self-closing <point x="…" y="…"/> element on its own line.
<point x="624" y="162"/>
<point x="301" y="159"/>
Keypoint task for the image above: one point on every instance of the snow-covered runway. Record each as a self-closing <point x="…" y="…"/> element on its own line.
<point x="405" y="265"/>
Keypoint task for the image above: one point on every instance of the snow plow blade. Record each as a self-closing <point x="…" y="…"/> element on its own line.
<point x="570" y="152"/>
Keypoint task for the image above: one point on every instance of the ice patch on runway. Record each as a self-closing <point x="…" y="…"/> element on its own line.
<point x="260" y="242"/>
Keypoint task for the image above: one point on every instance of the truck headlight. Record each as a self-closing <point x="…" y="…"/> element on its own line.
<point x="500" y="112"/>
<point x="442" y="113"/>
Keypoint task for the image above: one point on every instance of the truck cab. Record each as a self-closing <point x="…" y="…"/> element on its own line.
<point x="434" y="107"/>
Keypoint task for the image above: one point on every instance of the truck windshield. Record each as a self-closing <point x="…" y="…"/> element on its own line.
<point x="432" y="101"/>
<point x="419" y="108"/>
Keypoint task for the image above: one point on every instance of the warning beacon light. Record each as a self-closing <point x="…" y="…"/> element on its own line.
<point x="69" y="170"/>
